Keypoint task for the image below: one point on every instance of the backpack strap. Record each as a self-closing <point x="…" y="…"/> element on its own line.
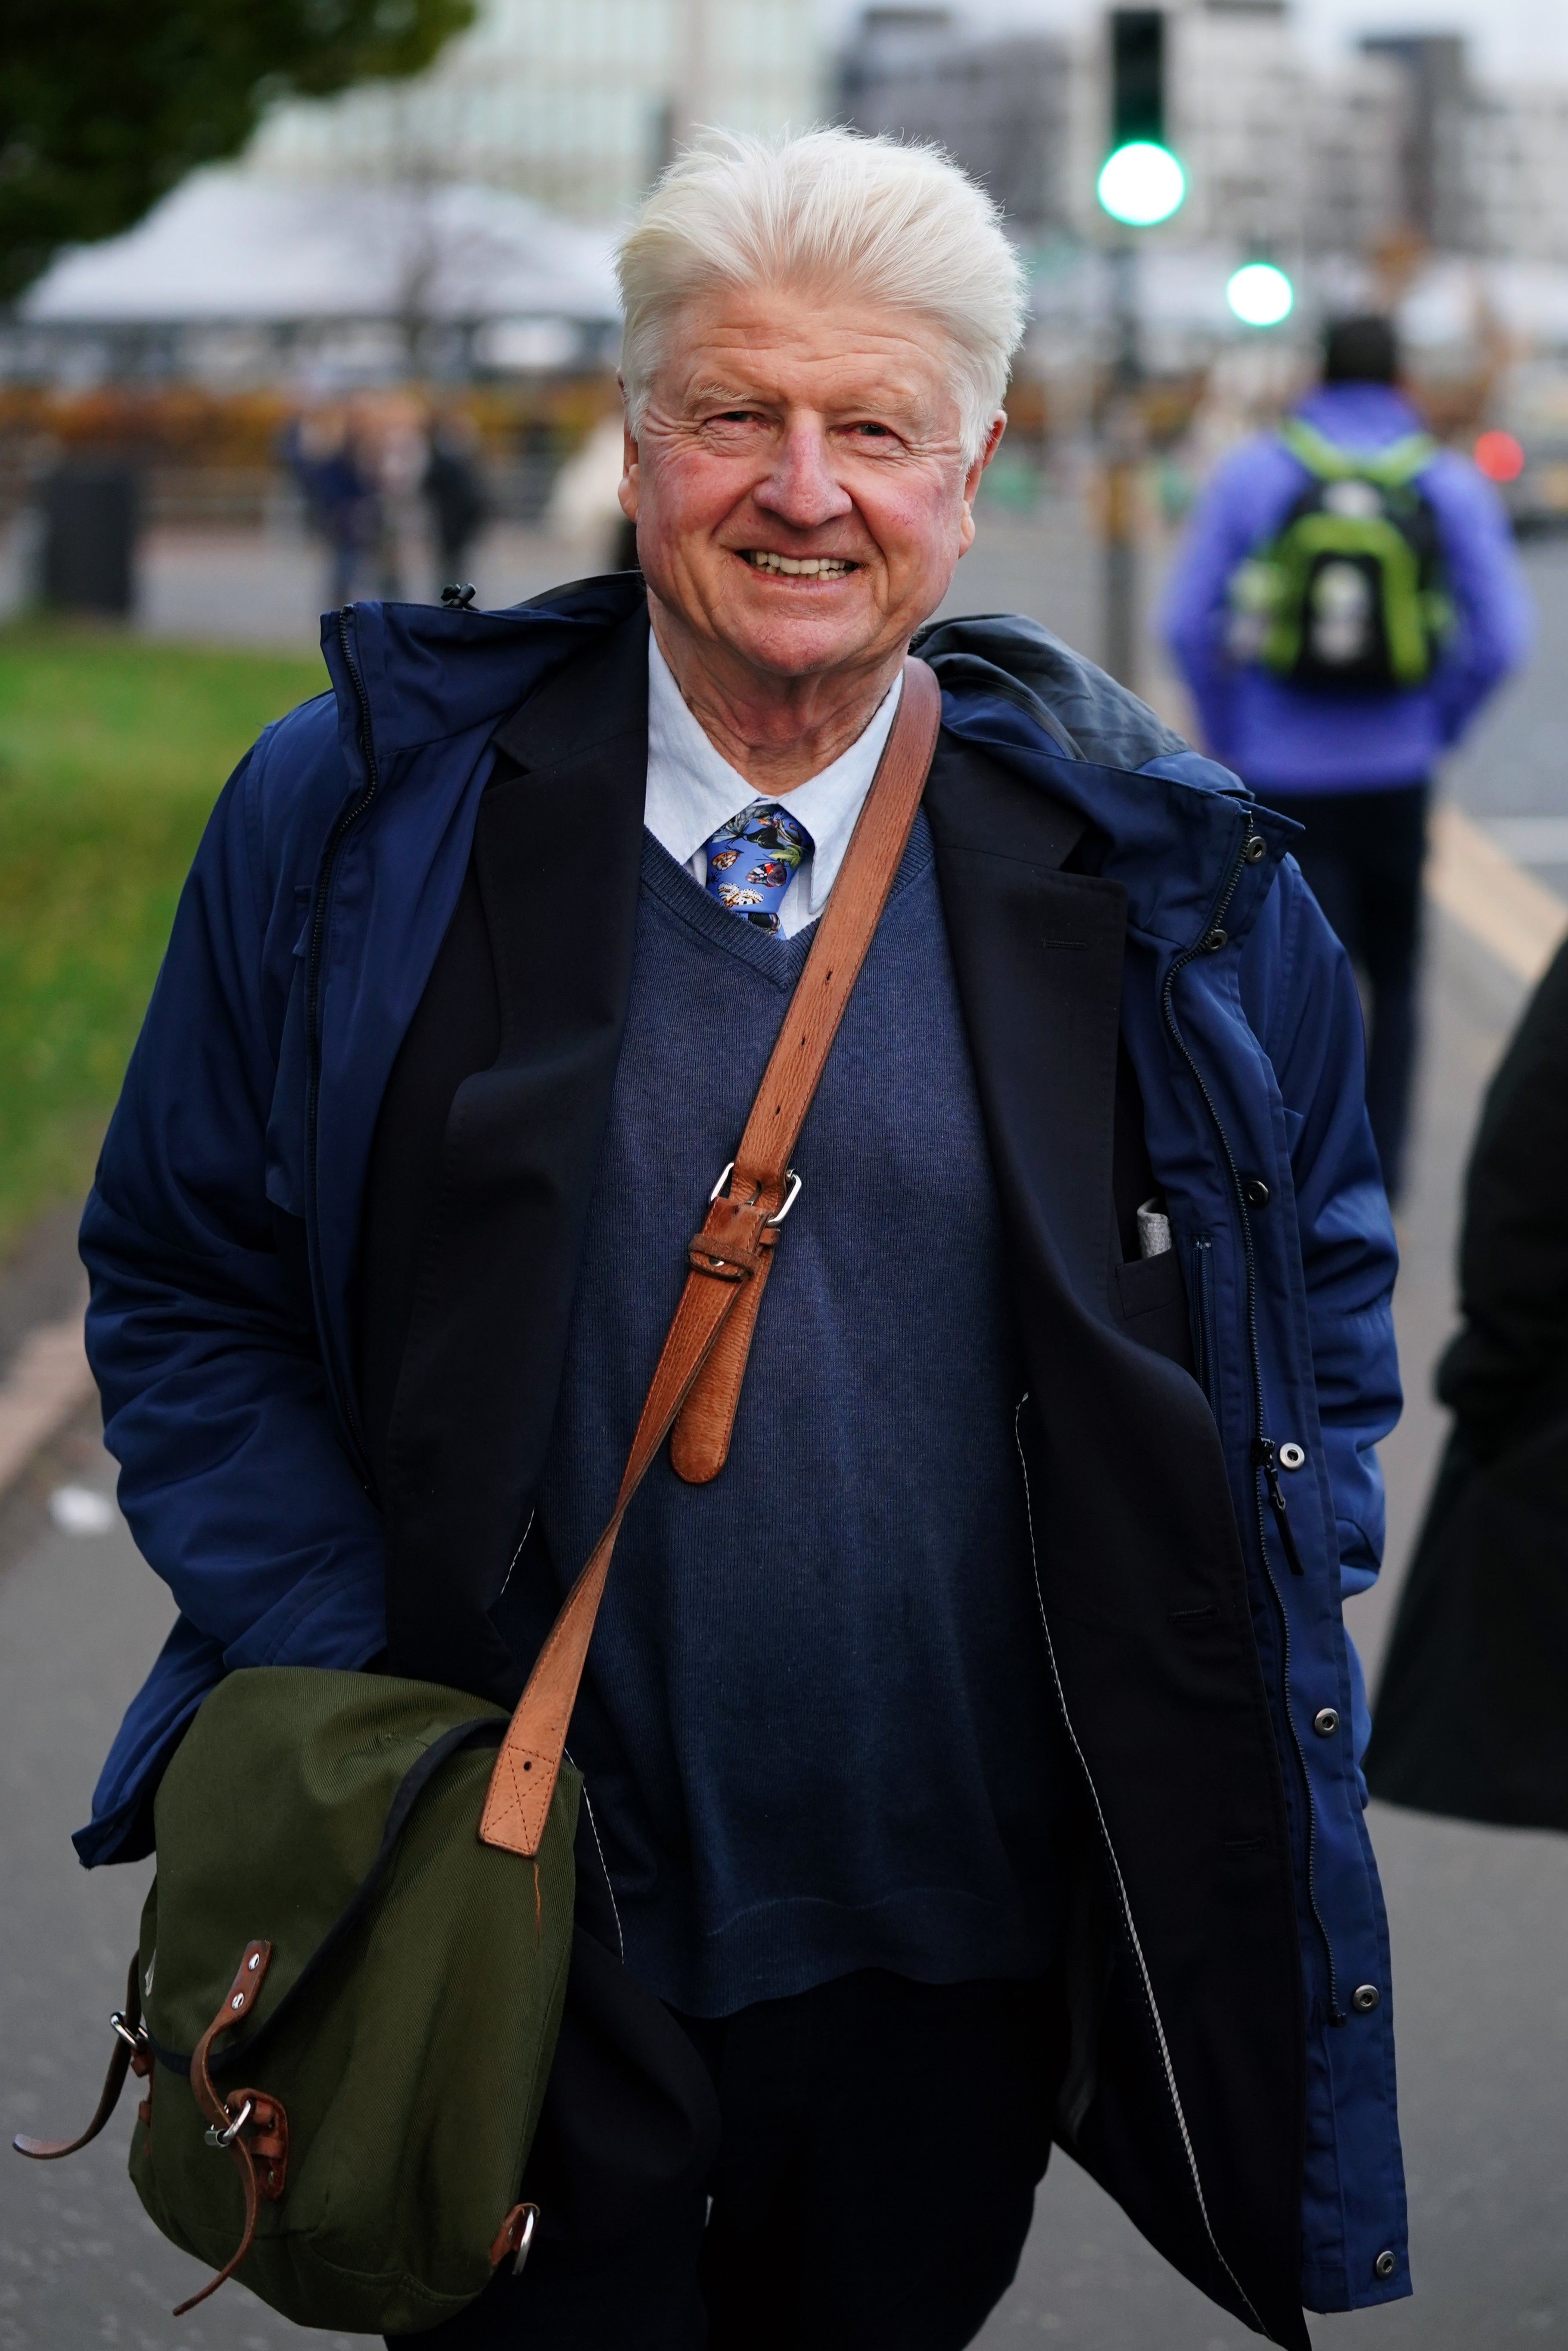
<point x="1390" y="467"/>
<point x="728" y="1259"/>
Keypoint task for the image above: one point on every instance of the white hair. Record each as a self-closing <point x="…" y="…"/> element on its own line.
<point x="900" y="226"/>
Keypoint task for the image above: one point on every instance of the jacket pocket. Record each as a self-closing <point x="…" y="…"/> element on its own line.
<point x="1152" y="1298"/>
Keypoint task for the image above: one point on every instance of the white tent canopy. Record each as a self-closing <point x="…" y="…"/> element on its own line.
<point x="230" y="246"/>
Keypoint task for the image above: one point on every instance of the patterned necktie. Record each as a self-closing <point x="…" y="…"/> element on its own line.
<point x="752" y="862"/>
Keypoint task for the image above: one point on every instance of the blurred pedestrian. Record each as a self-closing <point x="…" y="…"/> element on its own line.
<point x="1472" y="1716"/>
<point x="453" y="489"/>
<point x="930" y="1736"/>
<point x="1345" y="599"/>
<point x="335" y="469"/>
<point x="397" y="447"/>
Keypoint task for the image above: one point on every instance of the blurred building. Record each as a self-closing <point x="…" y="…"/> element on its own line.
<point x="1432" y="148"/>
<point x="1355" y="192"/>
<point x="1280" y="158"/>
<point x="1240" y="119"/>
<point x="575" y="103"/>
<point x="1516" y="173"/>
<point x="1001" y="107"/>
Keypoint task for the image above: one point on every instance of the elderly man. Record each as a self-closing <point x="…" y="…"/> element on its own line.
<point x="971" y="1762"/>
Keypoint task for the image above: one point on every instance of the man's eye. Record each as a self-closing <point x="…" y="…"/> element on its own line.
<point x="870" y="431"/>
<point x="734" y="416"/>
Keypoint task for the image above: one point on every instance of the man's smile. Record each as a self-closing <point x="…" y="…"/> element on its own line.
<point x="797" y="567"/>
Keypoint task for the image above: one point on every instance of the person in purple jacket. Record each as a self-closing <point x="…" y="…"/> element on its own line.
<point x="1353" y="763"/>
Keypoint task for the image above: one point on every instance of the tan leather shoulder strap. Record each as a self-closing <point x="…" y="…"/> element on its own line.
<point x="728" y="1259"/>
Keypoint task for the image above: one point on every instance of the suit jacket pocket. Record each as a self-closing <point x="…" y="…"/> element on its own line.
<point x="1151" y="1305"/>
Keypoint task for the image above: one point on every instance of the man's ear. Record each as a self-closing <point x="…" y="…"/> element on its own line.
<point x="972" y="479"/>
<point x="630" y="488"/>
<point x="998" y="427"/>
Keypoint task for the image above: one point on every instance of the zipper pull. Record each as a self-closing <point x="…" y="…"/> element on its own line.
<point x="1264" y="1455"/>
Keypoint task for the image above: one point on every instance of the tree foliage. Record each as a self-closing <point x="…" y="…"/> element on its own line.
<point x="104" y="104"/>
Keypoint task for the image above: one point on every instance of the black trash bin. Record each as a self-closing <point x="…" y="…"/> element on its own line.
<point x="90" y="537"/>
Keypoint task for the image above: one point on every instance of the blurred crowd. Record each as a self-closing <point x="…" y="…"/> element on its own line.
<point x="386" y="482"/>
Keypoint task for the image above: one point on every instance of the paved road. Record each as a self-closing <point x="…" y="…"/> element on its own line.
<point x="1479" y="1918"/>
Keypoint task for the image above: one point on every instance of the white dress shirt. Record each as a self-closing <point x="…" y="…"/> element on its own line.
<point x="691" y="791"/>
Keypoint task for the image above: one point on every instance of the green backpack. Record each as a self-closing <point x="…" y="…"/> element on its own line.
<point x="1349" y="592"/>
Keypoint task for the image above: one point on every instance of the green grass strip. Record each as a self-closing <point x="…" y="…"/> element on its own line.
<point x="112" y="750"/>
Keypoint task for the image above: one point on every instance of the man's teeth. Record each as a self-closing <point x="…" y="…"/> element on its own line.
<point x="834" y="567"/>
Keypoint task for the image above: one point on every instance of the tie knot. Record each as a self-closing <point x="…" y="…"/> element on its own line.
<point x="753" y="860"/>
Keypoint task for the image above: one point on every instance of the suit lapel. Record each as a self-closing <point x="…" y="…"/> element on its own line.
<point x="477" y="1391"/>
<point x="1038" y="955"/>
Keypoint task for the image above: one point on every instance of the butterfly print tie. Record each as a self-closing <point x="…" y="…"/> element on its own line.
<point x="752" y="862"/>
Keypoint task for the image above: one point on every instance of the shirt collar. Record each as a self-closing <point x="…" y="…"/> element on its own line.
<point x="692" y="789"/>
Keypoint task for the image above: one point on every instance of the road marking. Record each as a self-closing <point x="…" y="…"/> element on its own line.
<point x="1505" y="910"/>
<point x="48" y="1381"/>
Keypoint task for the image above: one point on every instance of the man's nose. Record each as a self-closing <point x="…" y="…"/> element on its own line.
<point x="800" y="488"/>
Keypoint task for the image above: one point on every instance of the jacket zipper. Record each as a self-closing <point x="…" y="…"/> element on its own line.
<point x="345" y="821"/>
<point x="1205" y="1340"/>
<point x="1262" y="1449"/>
<point x="1132" y="1934"/>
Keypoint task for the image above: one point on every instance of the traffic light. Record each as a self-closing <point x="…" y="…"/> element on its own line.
<point x="1137" y="76"/>
<point x="1260" y="294"/>
<point x="1140" y="182"/>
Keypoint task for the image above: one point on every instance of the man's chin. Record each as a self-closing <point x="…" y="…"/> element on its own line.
<point x="799" y="645"/>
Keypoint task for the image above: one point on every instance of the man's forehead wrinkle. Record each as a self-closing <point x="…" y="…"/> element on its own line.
<point x="823" y="383"/>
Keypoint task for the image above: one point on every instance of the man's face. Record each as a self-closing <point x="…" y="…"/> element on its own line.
<point x="789" y="427"/>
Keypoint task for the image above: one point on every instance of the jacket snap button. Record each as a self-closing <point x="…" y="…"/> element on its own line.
<point x="1215" y="940"/>
<point x="1255" y="1192"/>
<point x="1386" y="2265"/>
<point x="1254" y="849"/>
<point x="1292" y="1455"/>
<point x="1325" y="1722"/>
<point x="1365" y="1997"/>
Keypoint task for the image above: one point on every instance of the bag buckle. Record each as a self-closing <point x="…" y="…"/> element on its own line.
<point x="224" y="2139"/>
<point x="526" y="2239"/>
<point x="134" y="2037"/>
<point x="792" y="1193"/>
<point x="515" y="2237"/>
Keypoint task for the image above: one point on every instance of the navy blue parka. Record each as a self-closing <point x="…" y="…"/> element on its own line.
<point x="221" y="1235"/>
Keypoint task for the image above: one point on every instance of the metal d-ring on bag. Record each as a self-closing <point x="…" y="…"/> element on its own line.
<point x="348" y="1987"/>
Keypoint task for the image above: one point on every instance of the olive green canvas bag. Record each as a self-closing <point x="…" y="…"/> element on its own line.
<point x="386" y="1990"/>
<point x="353" y="1960"/>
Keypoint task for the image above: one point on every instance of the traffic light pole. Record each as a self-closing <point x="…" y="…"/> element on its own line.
<point x="1140" y="183"/>
<point x="1123" y="439"/>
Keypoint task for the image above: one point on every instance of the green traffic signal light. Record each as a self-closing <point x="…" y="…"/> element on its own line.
<point x="1141" y="182"/>
<point x="1261" y="295"/>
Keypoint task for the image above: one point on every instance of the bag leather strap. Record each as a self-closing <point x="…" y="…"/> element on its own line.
<point x="698" y="1380"/>
<point x="252" y="2111"/>
<point x="130" y="2055"/>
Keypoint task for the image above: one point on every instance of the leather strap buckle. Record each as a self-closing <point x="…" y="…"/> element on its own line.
<point x="224" y="2139"/>
<point x="792" y="1189"/>
<point x="134" y="2036"/>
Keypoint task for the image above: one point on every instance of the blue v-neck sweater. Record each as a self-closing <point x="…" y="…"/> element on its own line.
<point x="816" y="1730"/>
